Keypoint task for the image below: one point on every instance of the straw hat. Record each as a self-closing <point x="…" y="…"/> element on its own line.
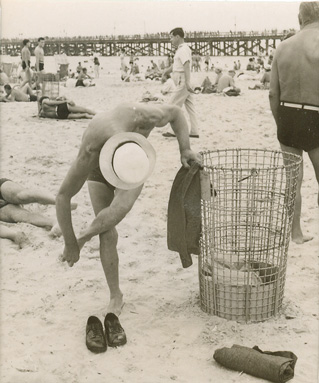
<point x="127" y="160"/>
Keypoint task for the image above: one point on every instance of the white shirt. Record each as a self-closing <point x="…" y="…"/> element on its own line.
<point x="182" y="55"/>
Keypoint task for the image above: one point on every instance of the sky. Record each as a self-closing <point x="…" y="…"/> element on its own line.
<point x="57" y="18"/>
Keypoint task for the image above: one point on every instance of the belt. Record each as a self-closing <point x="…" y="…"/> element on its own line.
<point x="299" y="106"/>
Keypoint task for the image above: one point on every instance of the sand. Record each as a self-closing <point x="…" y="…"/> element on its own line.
<point x="45" y="304"/>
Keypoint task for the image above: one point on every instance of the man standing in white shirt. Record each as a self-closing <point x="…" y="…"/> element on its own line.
<point x="181" y="69"/>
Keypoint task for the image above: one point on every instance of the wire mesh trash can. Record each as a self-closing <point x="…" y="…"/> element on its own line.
<point x="247" y="206"/>
<point x="50" y="85"/>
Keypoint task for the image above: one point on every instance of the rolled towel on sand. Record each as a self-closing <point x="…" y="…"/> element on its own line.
<point x="276" y="366"/>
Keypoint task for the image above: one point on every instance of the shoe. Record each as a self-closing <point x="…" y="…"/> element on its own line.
<point x="194" y="135"/>
<point x="168" y="134"/>
<point x="95" y="339"/>
<point x="114" y="332"/>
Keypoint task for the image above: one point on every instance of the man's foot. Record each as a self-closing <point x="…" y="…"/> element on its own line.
<point x="116" y="304"/>
<point x="299" y="240"/>
<point x="168" y="134"/>
<point x="114" y="332"/>
<point x="95" y="339"/>
<point x="194" y="135"/>
<point x="55" y="231"/>
<point x="21" y="239"/>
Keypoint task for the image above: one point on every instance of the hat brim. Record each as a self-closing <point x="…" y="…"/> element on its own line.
<point x="107" y="153"/>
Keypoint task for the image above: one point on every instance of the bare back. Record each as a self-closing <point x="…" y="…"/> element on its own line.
<point x="297" y="66"/>
<point x="18" y="95"/>
<point x="126" y="118"/>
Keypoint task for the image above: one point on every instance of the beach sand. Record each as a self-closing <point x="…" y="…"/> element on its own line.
<point x="45" y="304"/>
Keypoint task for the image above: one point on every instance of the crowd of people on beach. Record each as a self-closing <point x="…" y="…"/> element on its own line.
<point x="115" y="187"/>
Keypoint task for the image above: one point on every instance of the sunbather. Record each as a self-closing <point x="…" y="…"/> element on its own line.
<point x="62" y="109"/>
<point x="24" y="94"/>
<point x="13" y="195"/>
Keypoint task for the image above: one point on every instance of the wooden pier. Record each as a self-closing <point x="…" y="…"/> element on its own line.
<point x="214" y="44"/>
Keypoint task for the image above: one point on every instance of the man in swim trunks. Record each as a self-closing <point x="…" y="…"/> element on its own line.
<point x="294" y="97"/>
<point x="63" y="109"/>
<point x="39" y="55"/>
<point x="24" y="94"/>
<point x="26" y="63"/>
<point x="112" y="205"/>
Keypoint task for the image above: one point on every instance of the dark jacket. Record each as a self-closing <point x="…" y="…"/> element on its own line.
<point x="184" y="214"/>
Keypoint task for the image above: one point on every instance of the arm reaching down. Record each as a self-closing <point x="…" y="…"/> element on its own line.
<point x="109" y="217"/>
<point x="71" y="185"/>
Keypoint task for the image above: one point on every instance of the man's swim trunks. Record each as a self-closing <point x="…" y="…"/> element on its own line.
<point x="62" y="111"/>
<point x="33" y="97"/>
<point x="41" y="66"/>
<point x="79" y="83"/>
<point x="97" y="176"/>
<point x="24" y="65"/>
<point x="2" y="201"/>
<point x="298" y="128"/>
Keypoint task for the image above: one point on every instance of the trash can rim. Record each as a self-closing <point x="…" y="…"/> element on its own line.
<point x="297" y="159"/>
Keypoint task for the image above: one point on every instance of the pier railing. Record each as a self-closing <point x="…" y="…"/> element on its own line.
<point x="214" y="43"/>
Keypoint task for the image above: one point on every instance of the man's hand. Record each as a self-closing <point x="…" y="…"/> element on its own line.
<point x="71" y="254"/>
<point x="188" y="155"/>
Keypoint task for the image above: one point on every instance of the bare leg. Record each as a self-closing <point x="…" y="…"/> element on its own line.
<point x="314" y="157"/>
<point x="27" y="79"/>
<point x="296" y="232"/>
<point x="27" y="90"/>
<point x="101" y="197"/>
<point x="73" y="116"/>
<point x="14" y="193"/>
<point x="110" y="263"/>
<point x="80" y="109"/>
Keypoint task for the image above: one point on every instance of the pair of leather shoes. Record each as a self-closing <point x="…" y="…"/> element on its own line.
<point x="114" y="336"/>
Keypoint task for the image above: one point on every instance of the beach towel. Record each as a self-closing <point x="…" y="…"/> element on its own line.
<point x="277" y="367"/>
<point x="184" y="214"/>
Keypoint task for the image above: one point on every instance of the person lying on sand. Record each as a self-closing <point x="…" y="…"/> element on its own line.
<point x="24" y="94"/>
<point x="62" y="109"/>
<point x="12" y="195"/>
<point x="113" y="194"/>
